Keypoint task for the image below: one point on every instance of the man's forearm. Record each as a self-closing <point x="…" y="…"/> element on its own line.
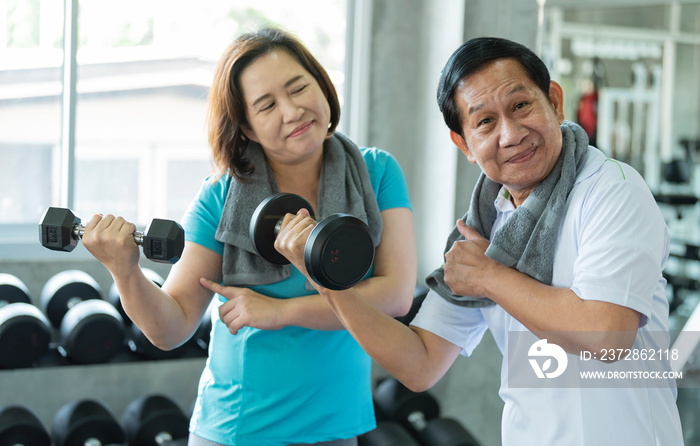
<point x="398" y="349"/>
<point x="582" y="324"/>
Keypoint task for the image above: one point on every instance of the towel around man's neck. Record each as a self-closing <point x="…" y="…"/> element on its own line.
<point x="527" y="240"/>
<point x="344" y="186"/>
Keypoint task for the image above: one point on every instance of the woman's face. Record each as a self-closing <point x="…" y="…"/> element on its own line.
<point x="287" y="113"/>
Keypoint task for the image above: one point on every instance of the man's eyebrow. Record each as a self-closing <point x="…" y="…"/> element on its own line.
<point x="286" y="85"/>
<point x="516" y="89"/>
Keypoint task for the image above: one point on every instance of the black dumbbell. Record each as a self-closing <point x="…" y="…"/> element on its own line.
<point x="19" y="426"/>
<point x="25" y="332"/>
<point x="154" y="420"/>
<point x="86" y="422"/>
<point x="163" y="241"/>
<point x="338" y="253"/>
<point x="91" y="329"/>
<point x="387" y="433"/>
<point x="419" y="412"/>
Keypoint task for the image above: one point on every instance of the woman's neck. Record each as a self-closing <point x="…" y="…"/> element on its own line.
<point x="300" y="178"/>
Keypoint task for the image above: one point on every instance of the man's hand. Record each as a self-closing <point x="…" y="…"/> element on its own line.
<point x="466" y="267"/>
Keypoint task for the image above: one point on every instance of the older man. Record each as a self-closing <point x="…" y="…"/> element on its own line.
<point x="560" y="243"/>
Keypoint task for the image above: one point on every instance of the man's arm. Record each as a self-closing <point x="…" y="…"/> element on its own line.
<point x="583" y="324"/>
<point x="416" y="357"/>
<point x="390" y="288"/>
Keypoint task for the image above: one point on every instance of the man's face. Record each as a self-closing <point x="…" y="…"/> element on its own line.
<point x="510" y="127"/>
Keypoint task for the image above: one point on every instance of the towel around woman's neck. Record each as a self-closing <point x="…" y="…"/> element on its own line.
<point x="344" y="186"/>
<point x="527" y="240"/>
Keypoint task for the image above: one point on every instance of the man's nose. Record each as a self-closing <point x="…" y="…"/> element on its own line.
<point x="512" y="132"/>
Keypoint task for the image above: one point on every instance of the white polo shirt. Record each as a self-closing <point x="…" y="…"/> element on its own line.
<point x="611" y="247"/>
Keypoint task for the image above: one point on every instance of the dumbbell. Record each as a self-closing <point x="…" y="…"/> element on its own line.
<point x="25" y="332"/>
<point x="86" y="422"/>
<point x="419" y="412"/>
<point x="19" y="426"/>
<point x="154" y="420"/>
<point x="163" y="241"/>
<point x="338" y="253"/>
<point x="387" y="433"/>
<point x="91" y="329"/>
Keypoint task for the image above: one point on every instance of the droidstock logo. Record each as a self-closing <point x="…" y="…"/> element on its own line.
<point x="541" y="349"/>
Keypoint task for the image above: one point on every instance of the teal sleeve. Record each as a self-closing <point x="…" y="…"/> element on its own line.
<point x="387" y="179"/>
<point x="202" y="217"/>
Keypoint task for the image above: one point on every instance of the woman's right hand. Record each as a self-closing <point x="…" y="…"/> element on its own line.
<point x="110" y="240"/>
<point x="291" y="239"/>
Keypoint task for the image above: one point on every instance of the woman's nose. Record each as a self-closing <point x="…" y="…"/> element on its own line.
<point x="291" y="111"/>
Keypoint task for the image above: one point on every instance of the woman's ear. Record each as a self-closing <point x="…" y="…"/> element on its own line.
<point x="462" y="144"/>
<point x="249" y="133"/>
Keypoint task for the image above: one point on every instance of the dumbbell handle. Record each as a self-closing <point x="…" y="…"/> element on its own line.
<point x="79" y="231"/>
<point x="417" y="420"/>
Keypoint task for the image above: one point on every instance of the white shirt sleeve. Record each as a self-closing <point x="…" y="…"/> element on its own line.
<point x="462" y="326"/>
<point x="622" y="244"/>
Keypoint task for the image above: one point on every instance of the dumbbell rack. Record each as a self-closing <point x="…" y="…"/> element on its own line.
<point x="55" y="381"/>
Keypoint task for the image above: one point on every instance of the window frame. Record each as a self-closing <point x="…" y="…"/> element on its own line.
<point x="19" y="242"/>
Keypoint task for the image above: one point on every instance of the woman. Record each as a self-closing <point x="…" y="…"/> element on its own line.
<point x="281" y="370"/>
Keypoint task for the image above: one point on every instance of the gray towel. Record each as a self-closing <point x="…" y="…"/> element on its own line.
<point x="344" y="187"/>
<point x="527" y="240"/>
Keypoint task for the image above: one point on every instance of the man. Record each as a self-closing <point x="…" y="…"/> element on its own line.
<point x="562" y="244"/>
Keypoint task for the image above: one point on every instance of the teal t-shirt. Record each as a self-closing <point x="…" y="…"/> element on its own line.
<point x="292" y="385"/>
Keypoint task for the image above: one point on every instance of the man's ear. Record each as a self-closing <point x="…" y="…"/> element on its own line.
<point x="462" y="144"/>
<point x="556" y="97"/>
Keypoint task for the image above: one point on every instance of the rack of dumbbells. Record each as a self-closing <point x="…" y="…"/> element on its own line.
<point x="75" y="370"/>
<point x="70" y="360"/>
<point x="150" y="420"/>
<point x="407" y="418"/>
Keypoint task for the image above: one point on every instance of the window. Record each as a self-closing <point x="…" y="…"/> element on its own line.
<point x="143" y="72"/>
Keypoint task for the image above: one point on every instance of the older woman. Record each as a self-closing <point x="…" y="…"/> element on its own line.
<point x="281" y="369"/>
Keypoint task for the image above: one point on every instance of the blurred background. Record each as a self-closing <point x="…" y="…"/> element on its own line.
<point x="102" y="108"/>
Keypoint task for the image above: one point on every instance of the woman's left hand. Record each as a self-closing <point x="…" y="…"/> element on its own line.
<point x="246" y="308"/>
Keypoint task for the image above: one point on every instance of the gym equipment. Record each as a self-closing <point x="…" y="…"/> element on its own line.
<point x="419" y="413"/>
<point x="92" y="331"/>
<point x="163" y="241"/>
<point x="338" y="253"/>
<point x="154" y="420"/>
<point x="25" y="332"/>
<point x="85" y="422"/>
<point x="20" y="426"/>
<point x="387" y="433"/>
<point x="141" y="345"/>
